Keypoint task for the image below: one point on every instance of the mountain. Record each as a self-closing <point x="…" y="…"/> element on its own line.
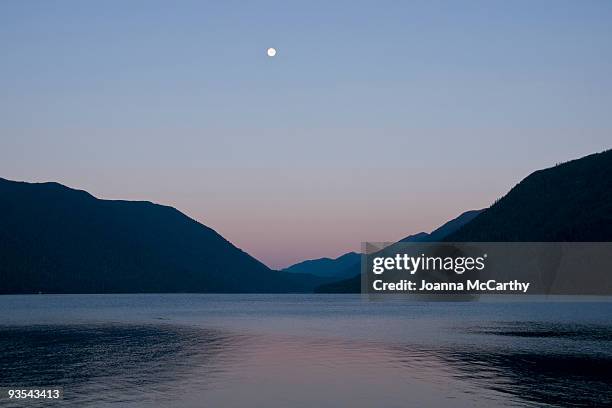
<point x="446" y="229"/>
<point x="453" y="225"/>
<point x="349" y="285"/>
<point x="348" y="265"/>
<point x="418" y="237"/>
<point x="327" y="267"/>
<point x="569" y="202"/>
<point x="54" y="239"/>
<point x="352" y="282"/>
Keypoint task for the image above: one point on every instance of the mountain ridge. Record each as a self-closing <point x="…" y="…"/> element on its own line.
<point x="352" y="283"/>
<point x="55" y="239"/>
<point x="326" y="267"/>
<point x="571" y="201"/>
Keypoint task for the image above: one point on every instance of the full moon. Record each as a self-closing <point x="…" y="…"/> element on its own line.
<point x="271" y="52"/>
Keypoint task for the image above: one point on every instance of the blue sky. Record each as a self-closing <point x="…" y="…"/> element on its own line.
<point x="374" y="121"/>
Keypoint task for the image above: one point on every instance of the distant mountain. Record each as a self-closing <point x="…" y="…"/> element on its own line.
<point x="327" y="267"/>
<point x="418" y="237"/>
<point x="446" y="229"/>
<point x="569" y="202"/>
<point x="352" y="282"/>
<point x="349" y="285"/>
<point x="54" y="239"/>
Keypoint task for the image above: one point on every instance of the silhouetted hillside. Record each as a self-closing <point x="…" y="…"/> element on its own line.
<point x="352" y="284"/>
<point x="418" y="237"/>
<point x="54" y="239"/>
<point x="453" y="225"/>
<point x="569" y="202"/>
<point x="446" y="229"/>
<point x="327" y="267"/>
<point x="349" y="285"/>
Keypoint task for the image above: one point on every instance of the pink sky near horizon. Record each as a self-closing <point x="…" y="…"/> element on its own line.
<point x="284" y="216"/>
<point x="375" y="120"/>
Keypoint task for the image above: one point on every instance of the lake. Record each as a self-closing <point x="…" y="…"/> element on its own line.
<point x="306" y="351"/>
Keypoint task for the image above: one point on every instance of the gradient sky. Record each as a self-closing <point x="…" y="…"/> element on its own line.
<point x="374" y="121"/>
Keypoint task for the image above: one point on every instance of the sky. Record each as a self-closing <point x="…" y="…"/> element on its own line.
<point x="374" y="121"/>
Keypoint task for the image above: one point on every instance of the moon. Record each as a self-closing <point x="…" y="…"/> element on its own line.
<point x="271" y="52"/>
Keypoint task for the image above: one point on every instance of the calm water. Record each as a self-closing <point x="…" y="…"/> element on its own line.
<point x="306" y="351"/>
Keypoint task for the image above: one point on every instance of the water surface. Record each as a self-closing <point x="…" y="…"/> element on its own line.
<point x="306" y="350"/>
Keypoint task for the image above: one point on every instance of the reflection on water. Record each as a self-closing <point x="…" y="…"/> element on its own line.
<point x="555" y="379"/>
<point x="204" y="352"/>
<point x="577" y="372"/>
<point x="111" y="363"/>
<point x="574" y="331"/>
